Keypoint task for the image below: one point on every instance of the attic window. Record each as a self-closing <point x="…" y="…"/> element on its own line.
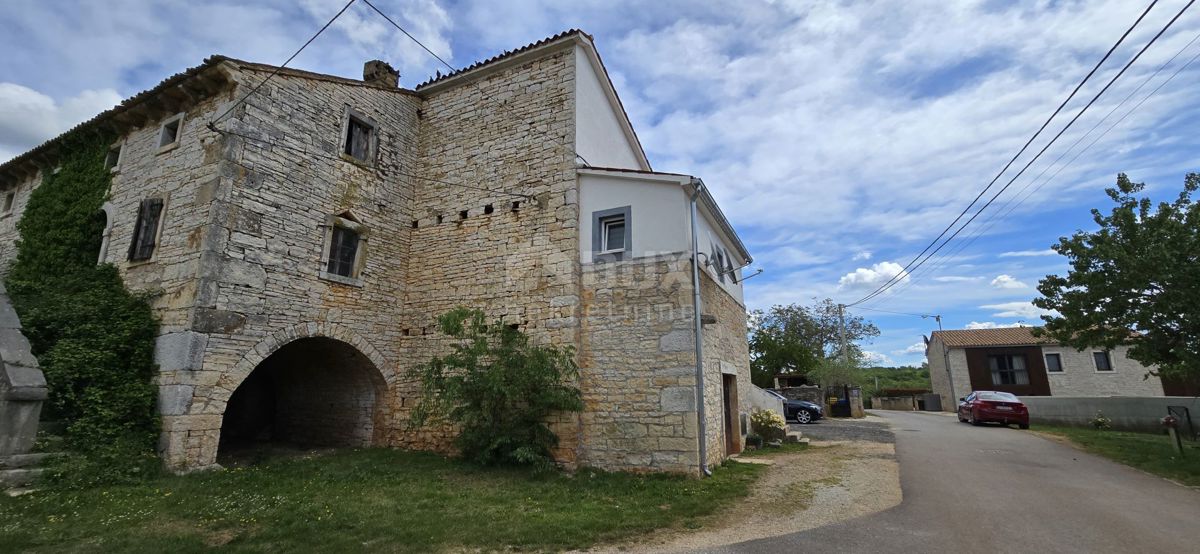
<point x="169" y="133"/>
<point x="359" y="138"/>
<point x="112" y="160"/>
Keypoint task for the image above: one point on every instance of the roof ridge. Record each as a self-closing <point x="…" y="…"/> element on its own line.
<point x="501" y="56"/>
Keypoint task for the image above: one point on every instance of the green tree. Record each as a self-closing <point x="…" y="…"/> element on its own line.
<point x="796" y="339"/>
<point x="1135" y="281"/>
<point x="498" y="390"/>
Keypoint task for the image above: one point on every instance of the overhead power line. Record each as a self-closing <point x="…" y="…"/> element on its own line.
<point x="891" y="312"/>
<point x="213" y="122"/>
<point x="894" y="280"/>
<point x="899" y="275"/>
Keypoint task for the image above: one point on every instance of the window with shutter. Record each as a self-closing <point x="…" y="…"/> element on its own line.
<point x="358" y="139"/>
<point x="145" y="231"/>
<point x="342" y="251"/>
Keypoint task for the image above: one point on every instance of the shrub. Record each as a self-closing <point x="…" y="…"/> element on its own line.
<point x="754" y="440"/>
<point x="93" y="338"/>
<point x="1100" y="422"/>
<point x="768" y="424"/>
<point x="498" y="390"/>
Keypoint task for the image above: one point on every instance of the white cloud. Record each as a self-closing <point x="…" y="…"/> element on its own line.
<point x="873" y="276"/>
<point x="955" y="279"/>
<point x="1008" y="282"/>
<point x="864" y="255"/>
<point x="915" y="348"/>
<point x="1028" y="253"/>
<point x="990" y="325"/>
<point x="1024" y="310"/>
<point x="28" y="117"/>
<point x="876" y="358"/>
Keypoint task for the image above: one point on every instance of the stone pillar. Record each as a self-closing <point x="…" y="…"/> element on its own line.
<point x="22" y="385"/>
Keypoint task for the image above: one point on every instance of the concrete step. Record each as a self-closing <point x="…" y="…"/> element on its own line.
<point x="24" y="460"/>
<point x="793" y="437"/>
<point x="20" y="477"/>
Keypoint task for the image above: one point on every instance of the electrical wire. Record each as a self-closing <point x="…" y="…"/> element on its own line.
<point x="891" y="312"/>
<point x="1037" y="156"/>
<point x="959" y="217"/>
<point x="212" y="123"/>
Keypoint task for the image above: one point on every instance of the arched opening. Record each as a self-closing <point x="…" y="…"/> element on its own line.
<point x="311" y="392"/>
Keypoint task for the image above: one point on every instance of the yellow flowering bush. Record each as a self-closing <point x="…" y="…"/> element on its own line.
<point x="768" y="424"/>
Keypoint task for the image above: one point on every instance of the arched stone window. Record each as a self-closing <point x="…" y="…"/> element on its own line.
<point x="106" y="212"/>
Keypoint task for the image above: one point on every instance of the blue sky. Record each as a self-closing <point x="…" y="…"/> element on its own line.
<point x="839" y="137"/>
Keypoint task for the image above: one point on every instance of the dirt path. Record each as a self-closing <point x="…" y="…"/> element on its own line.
<point x="831" y="481"/>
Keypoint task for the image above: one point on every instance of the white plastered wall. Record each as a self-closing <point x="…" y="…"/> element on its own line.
<point x="658" y="213"/>
<point x="600" y="136"/>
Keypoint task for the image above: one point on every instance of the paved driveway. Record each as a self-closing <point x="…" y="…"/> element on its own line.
<point x="994" y="489"/>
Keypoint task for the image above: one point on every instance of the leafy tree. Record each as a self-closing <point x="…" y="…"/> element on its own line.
<point x="798" y="339"/>
<point x="498" y="390"/>
<point x="1135" y="280"/>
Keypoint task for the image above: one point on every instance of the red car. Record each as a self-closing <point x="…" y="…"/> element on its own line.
<point x="985" y="406"/>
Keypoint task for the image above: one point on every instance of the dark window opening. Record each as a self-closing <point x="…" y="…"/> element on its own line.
<point x="342" y="251"/>
<point x="169" y="134"/>
<point x="145" y="231"/>
<point x="488" y="209"/>
<point x="414" y="224"/>
<point x="358" y="139"/>
<point x="1103" y="363"/>
<point x="113" y="157"/>
<point x="439" y="218"/>
<point x="1054" y="363"/>
<point x="516" y="205"/>
<point x="1008" y="369"/>
<point x="462" y="214"/>
<point x="9" y="199"/>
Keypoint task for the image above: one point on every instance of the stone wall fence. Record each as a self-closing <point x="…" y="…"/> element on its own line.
<point x="1128" y="413"/>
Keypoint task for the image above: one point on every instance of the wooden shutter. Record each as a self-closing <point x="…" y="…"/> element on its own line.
<point x="146" y="230"/>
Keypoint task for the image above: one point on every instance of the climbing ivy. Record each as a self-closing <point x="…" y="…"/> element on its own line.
<point x="93" y="338"/>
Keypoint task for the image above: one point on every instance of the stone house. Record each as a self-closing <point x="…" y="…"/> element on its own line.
<point x="1014" y="360"/>
<point x="299" y="247"/>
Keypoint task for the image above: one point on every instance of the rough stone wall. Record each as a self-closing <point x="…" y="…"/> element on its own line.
<point x="520" y="266"/>
<point x="939" y="381"/>
<point x="8" y="221"/>
<point x="1080" y="378"/>
<point x="726" y="352"/>
<point x="262" y="254"/>
<point x="637" y="363"/>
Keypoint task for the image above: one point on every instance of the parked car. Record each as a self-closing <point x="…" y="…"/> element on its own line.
<point x="984" y="406"/>
<point x="800" y="411"/>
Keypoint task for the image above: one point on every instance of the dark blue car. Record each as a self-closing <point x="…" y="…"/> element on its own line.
<point x="800" y="411"/>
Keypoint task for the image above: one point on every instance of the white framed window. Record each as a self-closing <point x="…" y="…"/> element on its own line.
<point x="170" y="132"/>
<point x="344" y="254"/>
<point x="612" y="236"/>
<point x="360" y="137"/>
<point x="1008" y="369"/>
<point x="1054" y="363"/>
<point x="1102" y="361"/>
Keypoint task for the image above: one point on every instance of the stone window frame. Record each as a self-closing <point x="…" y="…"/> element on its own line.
<point x="9" y="202"/>
<point x="169" y="146"/>
<point x="599" y="218"/>
<point x="349" y="114"/>
<point x="109" y="211"/>
<point x="158" y="230"/>
<point x="1112" y="368"/>
<point x="345" y="220"/>
<point x="119" y="148"/>
<point x="1057" y="356"/>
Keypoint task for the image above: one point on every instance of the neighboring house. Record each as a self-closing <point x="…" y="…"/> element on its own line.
<point x="298" y="257"/>
<point x="1014" y="360"/>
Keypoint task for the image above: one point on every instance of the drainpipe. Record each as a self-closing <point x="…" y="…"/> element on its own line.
<point x="699" y="338"/>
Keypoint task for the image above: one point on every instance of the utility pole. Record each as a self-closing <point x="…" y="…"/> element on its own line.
<point x="842" y="333"/>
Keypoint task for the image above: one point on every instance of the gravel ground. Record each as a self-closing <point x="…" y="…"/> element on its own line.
<point x="871" y="429"/>
<point x="838" y="478"/>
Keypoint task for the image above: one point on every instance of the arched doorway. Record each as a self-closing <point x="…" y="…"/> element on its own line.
<point x="314" y="391"/>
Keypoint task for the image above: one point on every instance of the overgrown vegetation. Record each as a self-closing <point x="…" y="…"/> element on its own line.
<point x="1153" y="453"/>
<point x="498" y="390"/>
<point x="93" y="338"/>
<point x="801" y="340"/>
<point x="370" y="500"/>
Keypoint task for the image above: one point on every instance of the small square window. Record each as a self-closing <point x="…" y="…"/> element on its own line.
<point x="1054" y="363"/>
<point x="169" y="134"/>
<point x="1103" y="363"/>
<point x="358" y="139"/>
<point x="612" y="234"/>
<point x="113" y="159"/>
<point x="10" y="198"/>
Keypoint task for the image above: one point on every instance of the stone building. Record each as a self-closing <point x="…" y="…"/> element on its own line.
<point x="299" y="242"/>
<point x="1014" y="360"/>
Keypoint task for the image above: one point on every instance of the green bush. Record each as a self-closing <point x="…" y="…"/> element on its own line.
<point x="498" y="390"/>
<point x="93" y="338"/>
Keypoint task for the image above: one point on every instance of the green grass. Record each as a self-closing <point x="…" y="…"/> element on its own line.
<point x="367" y="500"/>
<point x="766" y="451"/>
<point x="1147" y="452"/>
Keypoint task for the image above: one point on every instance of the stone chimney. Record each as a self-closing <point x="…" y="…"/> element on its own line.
<point x="380" y="74"/>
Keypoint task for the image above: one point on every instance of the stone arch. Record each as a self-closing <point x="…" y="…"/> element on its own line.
<point x="108" y="211"/>
<point x="314" y="384"/>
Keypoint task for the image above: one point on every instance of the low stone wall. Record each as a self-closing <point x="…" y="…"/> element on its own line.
<point x="901" y="403"/>
<point x="814" y="394"/>
<point x="1130" y="413"/>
